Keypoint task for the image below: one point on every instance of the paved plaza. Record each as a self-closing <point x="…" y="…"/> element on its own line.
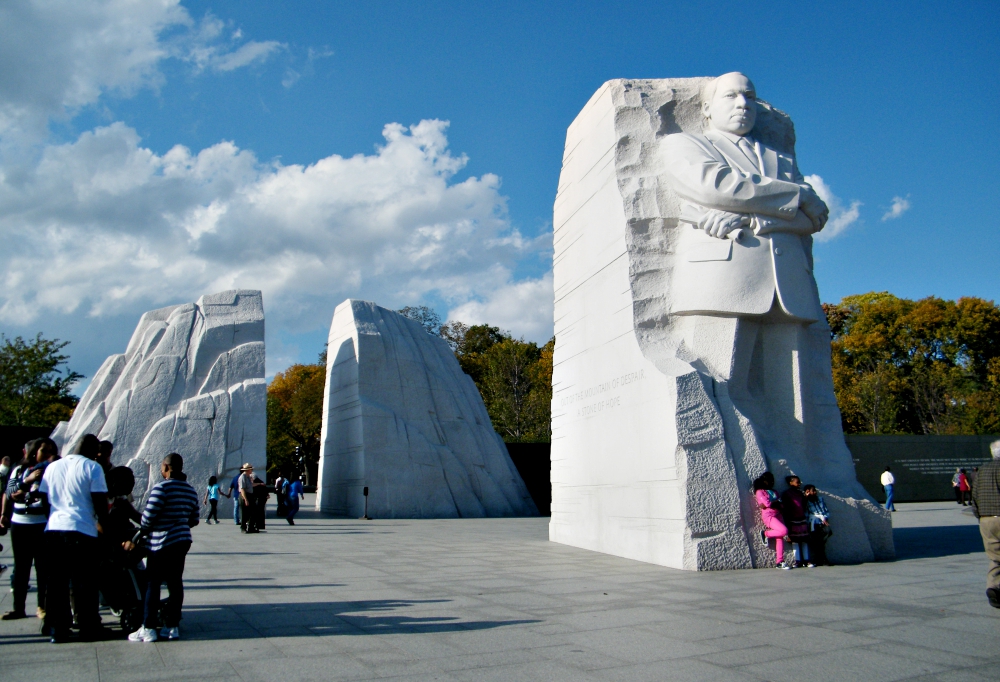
<point x="492" y="599"/>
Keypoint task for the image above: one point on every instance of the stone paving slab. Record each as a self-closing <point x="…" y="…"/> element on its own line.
<point x="492" y="599"/>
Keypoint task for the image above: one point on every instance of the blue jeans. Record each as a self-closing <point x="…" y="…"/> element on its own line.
<point x="236" y="507"/>
<point x="888" y="498"/>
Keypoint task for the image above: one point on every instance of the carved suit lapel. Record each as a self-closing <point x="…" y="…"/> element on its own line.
<point x="730" y="152"/>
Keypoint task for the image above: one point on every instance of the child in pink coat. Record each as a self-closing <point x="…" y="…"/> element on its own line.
<point x="770" y="513"/>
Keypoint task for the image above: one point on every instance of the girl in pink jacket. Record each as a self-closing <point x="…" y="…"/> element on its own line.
<point x="770" y="513"/>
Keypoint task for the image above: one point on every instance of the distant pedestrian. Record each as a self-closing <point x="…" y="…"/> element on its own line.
<point x="234" y="493"/>
<point x="170" y="513"/>
<point x="793" y="509"/>
<point x="888" y="481"/>
<point x="986" y="507"/>
<point x="248" y="521"/>
<point x="956" y="485"/>
<point x="292" y="498"/>
<point x="75" y="493"/>
<point x="279" y="494"/>
<point x="260" y="498"/>
<point x="964" y="488"/>
<point x="770" y="514"/>
<point x="212" y="498"/>
<point x="819" y="525"/>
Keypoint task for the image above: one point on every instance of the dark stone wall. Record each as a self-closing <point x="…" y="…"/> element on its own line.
<point x="534" y="464"/>
<point x="923" y="465"/>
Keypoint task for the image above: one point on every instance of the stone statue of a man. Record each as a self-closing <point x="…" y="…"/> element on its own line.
<point x="738" y="187"/>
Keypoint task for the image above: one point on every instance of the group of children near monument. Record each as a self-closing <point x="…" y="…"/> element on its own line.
<point x="799" y="515"/>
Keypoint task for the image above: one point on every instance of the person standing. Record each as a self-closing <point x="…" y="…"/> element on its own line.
<point x="170" y="514"/>
<point x="986" y="507"/>
<point x="74" y="493"/>
<point x="770" y="515"/>
<point x="965" y="488"/>
<point x="104" y="459"/>
<point x="279" y="495"/>
<point x="955" y="485"/>
<point x="295" y="494"/>
<point x="27" y="525"/>
<point x="796" y="516"/>
<point x="234" y="493"/>
<point x="212" y="498"/>
<point x="888" y="480"/>
<point x="245" y="485"/>
<point x="819" y="525"/>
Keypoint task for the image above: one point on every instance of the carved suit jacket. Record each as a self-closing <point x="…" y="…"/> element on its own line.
<point x="715" y="276"/>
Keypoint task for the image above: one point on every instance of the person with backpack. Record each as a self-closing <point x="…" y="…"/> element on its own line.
<point x="25" y="517"/>
<point x="171" y="512"/>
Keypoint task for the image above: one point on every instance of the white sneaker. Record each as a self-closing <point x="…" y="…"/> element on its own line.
<point x="143" y="634"/>
<point x="170" y="633"/>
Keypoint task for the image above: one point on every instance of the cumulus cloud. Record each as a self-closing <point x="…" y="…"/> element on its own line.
<point x="392" y="226"/>
<point x="841" y="218"/>
<point x="524" y="306"/>
<point x="900" y="205"/>
<point x="61" y="55"/>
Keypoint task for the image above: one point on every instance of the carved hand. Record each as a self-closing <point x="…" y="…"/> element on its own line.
<point x="720" y="223"/>
<point x="813" y="206"/>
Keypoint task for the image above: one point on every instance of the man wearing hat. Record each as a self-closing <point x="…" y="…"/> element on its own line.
<point x="248" y="523"/>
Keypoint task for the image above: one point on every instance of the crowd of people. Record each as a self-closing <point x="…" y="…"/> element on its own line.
<point x="73" y="521"/>
<point x="798" y="516"/>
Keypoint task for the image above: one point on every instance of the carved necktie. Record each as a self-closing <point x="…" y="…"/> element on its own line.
<point x="749" y="152"/>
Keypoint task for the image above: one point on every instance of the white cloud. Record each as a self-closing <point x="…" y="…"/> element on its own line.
<point x="524" y="307"/>
<point x="840" y="218"/>
<point x="117" y="229"/>
<point x="61" y="55"/>
<point x="900" y="205"/>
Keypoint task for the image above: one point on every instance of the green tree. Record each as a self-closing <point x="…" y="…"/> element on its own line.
<point x="927" y="366"/>
<point x="35" y="382"/>
<point x="429" y="319"/>
<point x="295" y="419"/>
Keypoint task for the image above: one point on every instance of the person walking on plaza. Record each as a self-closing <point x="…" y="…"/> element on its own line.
<point x="292" y="499"/>
<point x="74" y="493"/>
<point x="956" y="481"/>
<point x="170" y="514"/>
<point x="986" y="507"/>
<point x="280" y="483"/>
<point x="246" y="499"/>
<point x="212" y="498"/>
<point x="888" y="480"/>
<point x="25" y="517"/>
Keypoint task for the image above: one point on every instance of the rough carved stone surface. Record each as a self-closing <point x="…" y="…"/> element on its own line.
<point x="655" y="439"/>
<point x="401" y="418"/>
<point x="191" y="381"/>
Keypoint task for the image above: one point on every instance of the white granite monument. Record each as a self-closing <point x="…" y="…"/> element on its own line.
<point x="401" y="419"/>
<point x="691" y="350"/>
<point x="191" y="381"/>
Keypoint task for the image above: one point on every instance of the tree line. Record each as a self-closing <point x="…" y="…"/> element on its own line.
<point x="928" y="366"/>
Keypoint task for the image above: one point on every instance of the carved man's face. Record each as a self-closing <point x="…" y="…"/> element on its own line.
<point x="733" y="108"/>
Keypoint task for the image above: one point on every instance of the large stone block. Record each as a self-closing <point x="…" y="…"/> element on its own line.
<point x="191" y="381"/>
<point x="671" y="390"/>
<point x="401" y="418"/>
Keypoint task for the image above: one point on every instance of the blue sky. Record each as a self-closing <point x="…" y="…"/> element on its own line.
<point x="105" y="216"/>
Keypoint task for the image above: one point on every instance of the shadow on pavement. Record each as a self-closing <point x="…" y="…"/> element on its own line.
<point x="936" y="541"/>
<point x="370" y="617"/>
